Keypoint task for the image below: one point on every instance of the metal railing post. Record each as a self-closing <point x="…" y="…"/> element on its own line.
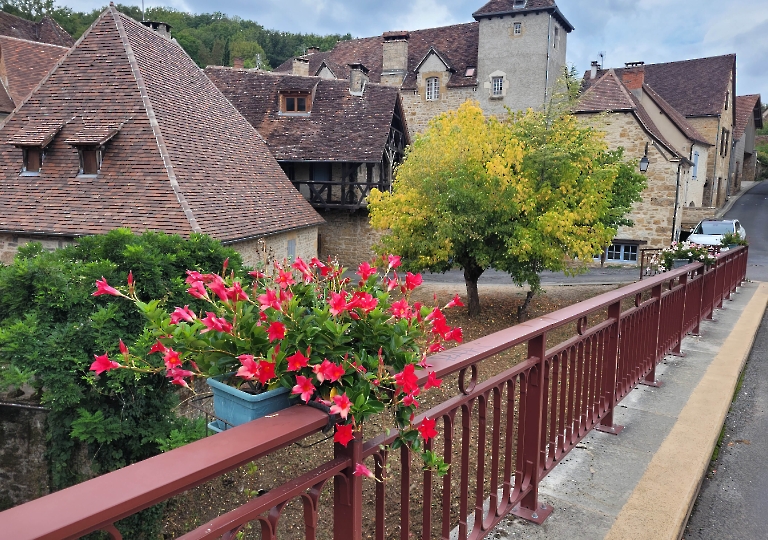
<point x="610" y="372"/>
<point x="681" y="329"/>
<point x="650" y="377"/>
<point x="534" y="444"/>
<point x="699" y="301"/>
<point x="348" y="493"/>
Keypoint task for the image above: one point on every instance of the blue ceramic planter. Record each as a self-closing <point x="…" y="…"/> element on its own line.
<point x="236" y="407"/>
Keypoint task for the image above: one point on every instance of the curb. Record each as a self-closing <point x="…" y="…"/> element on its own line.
<point x="661" y="502"/>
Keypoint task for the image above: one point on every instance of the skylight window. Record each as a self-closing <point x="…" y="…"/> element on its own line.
<point x="519" y="4"/>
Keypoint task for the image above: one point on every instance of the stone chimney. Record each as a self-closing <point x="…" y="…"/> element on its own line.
<point x="238" y="63"/>
<point x="394" y="58"/>
<point x="300" y="66"/>
<point x="633" y="76"/>
<point x="313" y="49"/>
<point x="358" y="78"/>
<point x="593" y="69"/>
<point x="164" y="29"/>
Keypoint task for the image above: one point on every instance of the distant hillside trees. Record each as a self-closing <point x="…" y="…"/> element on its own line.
<point x="208" y="38"/>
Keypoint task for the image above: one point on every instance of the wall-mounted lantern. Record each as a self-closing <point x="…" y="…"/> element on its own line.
<point x="644" y="161"/>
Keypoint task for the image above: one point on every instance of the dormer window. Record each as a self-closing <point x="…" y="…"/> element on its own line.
<point x="295" y="102"/>
<point x="519" y="4"/>
<point x="433" y="89"/>
<point x="90" y="159"/>
<point x="90" y="143"/>
<point x="33" y="160"/>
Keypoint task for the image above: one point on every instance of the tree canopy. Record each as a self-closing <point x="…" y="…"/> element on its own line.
<point x="207" y="38"/>
<point x="528" y="193"/>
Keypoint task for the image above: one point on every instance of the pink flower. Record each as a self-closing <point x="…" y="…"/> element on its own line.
<point x="184" y="314"/>
<point x="302" y="267"/>
<point x="103" y="363"/>
<point x="171" y="359"/>
<point x="436" y="347"/>
<point x="198" y="290"/>
<point x="219" y="288"/>
<point x="456" y="302"/>
<point x="328" y="371"/>
<point x="432" y="381"/>
<point x="409" y="400"/>
<point x="362" y="470"/>
<point x="394" y="261"/>
<point x="297" y="361"/>
<point x="341" y="406"/>
<point x="284" y="279"/>
<point x="303" y="387"/>
<point x="324" y="269"/>
<point x="193" y="276"/>
<point x="218" y="324"/>
<point x="177" y="375"/>
<point x="158" y="347"/>
<point x="455" y="334"/>
<point x="412" y="281"/>
<point x="343" y="434"/>
<point x="337" y="303"/>
<point x="123" y="349"/>
<point x="427" y="429"/>
<point x="130" y="278"/>
<point x="102" y="287"/>
<point x="249" y="369"/>
<point x="276" y="331"/>
<point x="400" y="309"/>
<point x="236" y="292"/>
<point x="363" y="300"/>
<point x="269" y="300"/>
<point x="365" y="271"/>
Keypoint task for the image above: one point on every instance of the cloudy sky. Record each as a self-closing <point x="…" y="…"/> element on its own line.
<point x="625" y="30"/>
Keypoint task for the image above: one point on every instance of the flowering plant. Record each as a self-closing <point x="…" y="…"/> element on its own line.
<point x="682" y="250"/>
<point x="304" y="326"/>
<point x="731" y="238"/>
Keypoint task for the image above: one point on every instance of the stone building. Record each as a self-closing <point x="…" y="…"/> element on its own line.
<point x="749" y="119"/>
<point x="635" y="117"/>
<point x="126" y="131"/>
<point x="703" y="90"/>
<point x="335" y="139"/>
<point x="511" y="56"/>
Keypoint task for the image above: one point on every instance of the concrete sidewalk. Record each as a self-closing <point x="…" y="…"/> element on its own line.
<point x="642" y="483"/>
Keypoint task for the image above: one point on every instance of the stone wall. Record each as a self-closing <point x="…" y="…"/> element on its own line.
<point x="691" y="216"/>
<point x="347" y="237"/>
<point x="419" y="111"/>
<point x="275" y="247"/>
<point x="10" y="243"/>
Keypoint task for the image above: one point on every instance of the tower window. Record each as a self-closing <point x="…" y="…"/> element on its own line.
<point x="497" y="86"/>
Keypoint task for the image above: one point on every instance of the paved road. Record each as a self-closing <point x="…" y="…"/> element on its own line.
<point x="733" y="502"/>
<point x="751" y="209"/>
<point x="595" y="276"/>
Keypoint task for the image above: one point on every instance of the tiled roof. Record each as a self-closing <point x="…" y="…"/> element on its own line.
<point x="694" y="87"/>
<point x="45" y="31"/>
<point x="675" y="117"/>
<point x="506" y="7"/>
<point x="745" y="109"/>
<point x="6" y="103"/>
<point x="23" y="64"/>
<point x="185" y="160"/>
<point x="37" y="132"/>
<point x="340" y="127"/>
<point x="608" y="94"/>
<point x="457" y="44"/>
<point x="94" y="134"/>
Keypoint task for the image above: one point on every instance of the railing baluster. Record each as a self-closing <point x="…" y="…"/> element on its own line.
<point x="405" y="493"/>
<point x="448" y="424"/>
<point x="608" y="380"/>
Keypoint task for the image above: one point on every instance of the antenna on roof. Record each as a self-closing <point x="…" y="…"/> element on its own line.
<point x="601" y="55"/>
<point x="142" y="11"/>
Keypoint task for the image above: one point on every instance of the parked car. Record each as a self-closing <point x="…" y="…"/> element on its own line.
<point x="709" y="232"/>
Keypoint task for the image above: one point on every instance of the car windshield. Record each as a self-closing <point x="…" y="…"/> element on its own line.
<point x="714" y="227"/>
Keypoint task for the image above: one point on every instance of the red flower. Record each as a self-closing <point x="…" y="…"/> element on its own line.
<point x="337" y="303"/>
<point x="158" y="347"/>
<point x="102" y="287"/>
<point x="362" y="470"/>
<point x="250" y="369"/>
<point x="324" y="269"/>
<point x="177" y="375"/>
<point x="456" y="302"/>
<point x="365" y="271"/>
<point x="236" y="292"/>
<point x="427" y="429"/>
<point x="363" y="300"/>
<point x="284" y="279"/>
<point x="130" y="277"/>
<point x="328" y="371"/>
<point x="182" y="314"/>
<point x="432" y="381"/>
<point x="193" y="276"/>
<point x="171" y="359"/>
<point x="276" y="331"/>
<point x="343" y="434"/>
<point x="454" y="335"/>
<point x="198" y="290"/>
<point x="123" y="348"/>
<point x="409" y="400"/>
<point x="303" y="387"/>
<point x="302" y="267"/>
<point x="297" y="361"/>
<point x="103" y="363"/>
<point x="400" y="309"/>
<point x="341" y="406"/>
<point x="436" y="347"/>
<point x="219" y="288"/>
<point x="266" y="371"/>
<point x="218" y="324"/>
<point x="412" y="281"/>
<point x="394" y="261"/>
<point x="407" y="378"/>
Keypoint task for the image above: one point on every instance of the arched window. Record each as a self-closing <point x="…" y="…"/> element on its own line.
<point x="433" y="89"/>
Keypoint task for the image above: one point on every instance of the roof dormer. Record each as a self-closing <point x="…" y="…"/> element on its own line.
<point x="90" y="143"/>
<point x="32" y="140"/>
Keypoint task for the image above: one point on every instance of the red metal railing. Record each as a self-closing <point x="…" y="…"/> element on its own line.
<point x="502" y="434"/>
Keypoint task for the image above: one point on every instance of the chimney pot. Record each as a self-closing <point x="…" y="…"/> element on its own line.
<point x="300" y="66"/>
<point x="313" y="50"/>
<point x="633" y="76"/>
<point x="238" y="63"/>
<point x="358" y="78"/>
<point x="593" y="69"/>
<point x="164" y="29"/>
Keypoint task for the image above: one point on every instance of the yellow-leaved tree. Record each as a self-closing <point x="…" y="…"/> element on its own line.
<point x="531" y="192"/>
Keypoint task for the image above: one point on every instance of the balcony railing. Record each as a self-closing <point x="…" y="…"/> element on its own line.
<point x="501" y="432"/>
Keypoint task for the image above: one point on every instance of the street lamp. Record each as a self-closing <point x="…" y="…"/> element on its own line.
<point x="644" y="161"/>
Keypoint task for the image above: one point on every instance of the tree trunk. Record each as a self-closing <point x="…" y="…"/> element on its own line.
<point x="522" y="310"/>
<point x="471" y="275"/>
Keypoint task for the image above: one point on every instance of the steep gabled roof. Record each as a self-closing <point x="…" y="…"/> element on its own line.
<point x="608" y="94"/>
<point x="23" y="64"/>
<point x="496" y="8"/>
<point x="340" y="127"/>
<point x="747" y="107"/>
<point x="675" y="117"/>
<point x="695" y="87"/>
<point x="45" y="31"/>
<point x="184" y="160"/>
<point x="457" y="44"/>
